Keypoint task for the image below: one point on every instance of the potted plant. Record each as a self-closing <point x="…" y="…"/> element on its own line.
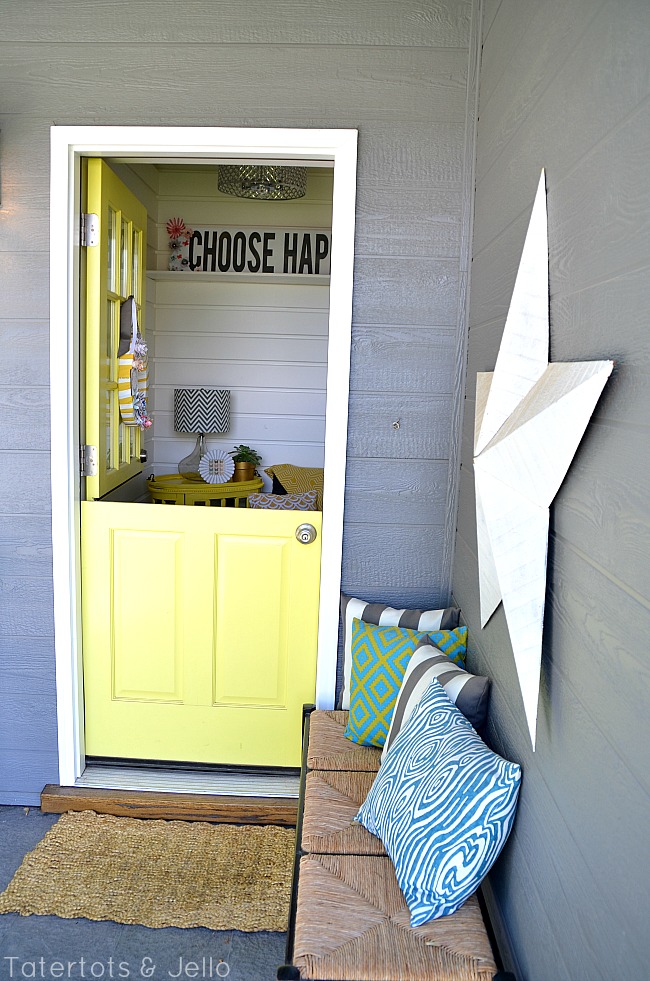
<point x="245" y="460"/>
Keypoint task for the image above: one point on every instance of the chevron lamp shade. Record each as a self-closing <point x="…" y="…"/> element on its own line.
<point x="201" y="410"/>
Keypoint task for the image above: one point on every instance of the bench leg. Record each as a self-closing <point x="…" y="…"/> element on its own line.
<point x="306" y="713"/>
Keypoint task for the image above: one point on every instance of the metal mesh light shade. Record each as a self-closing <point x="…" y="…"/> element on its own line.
<point x="262" y="182"/>
<point x="201" y="410"/>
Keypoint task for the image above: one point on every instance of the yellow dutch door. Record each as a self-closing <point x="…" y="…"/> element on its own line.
<point x="199" y="623"/>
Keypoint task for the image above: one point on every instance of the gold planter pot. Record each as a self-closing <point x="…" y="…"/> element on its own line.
<point x="244" y="471"/>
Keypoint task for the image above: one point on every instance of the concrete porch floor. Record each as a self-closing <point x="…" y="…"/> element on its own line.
<point x="115" y="950"/>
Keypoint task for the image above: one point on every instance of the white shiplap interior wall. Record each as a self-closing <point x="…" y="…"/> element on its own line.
<point x="264" y="338"/>
<point x="265" y="342"/>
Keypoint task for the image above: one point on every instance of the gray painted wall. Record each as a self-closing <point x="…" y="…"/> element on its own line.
<point x="398" y="73"/>
<point x="565" y="85"/>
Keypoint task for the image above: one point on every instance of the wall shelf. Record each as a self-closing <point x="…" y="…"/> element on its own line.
<point x="198" y="277"/>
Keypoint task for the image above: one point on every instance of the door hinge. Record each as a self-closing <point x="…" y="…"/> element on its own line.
<point x="88" y="458"/>
<point x="90" y="230"/>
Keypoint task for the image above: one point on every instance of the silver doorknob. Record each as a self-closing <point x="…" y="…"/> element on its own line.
<point x="306" y="534"/>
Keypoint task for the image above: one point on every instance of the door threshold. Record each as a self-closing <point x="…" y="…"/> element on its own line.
<point x="174" y="781"/>
<point x="174" y="795"/>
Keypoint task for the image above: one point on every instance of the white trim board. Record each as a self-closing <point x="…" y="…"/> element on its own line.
<point x="68" y="145"/>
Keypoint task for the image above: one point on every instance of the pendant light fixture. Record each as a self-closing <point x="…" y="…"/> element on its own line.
<point x="264" y="183"/>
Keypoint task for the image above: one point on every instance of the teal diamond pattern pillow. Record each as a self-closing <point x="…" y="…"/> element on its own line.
<point x="380" y="656"/>
<point x="386" y="616"/>
<point x="453" y="643"/>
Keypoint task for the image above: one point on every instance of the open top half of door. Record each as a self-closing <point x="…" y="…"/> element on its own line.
<point x="114" y="321"/>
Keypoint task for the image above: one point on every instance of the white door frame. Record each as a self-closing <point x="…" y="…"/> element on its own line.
<point x="68" y="145"/>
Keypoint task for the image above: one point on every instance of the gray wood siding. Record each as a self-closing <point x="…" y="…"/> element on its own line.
<point x="565" y="86"/>
<point x="396" y="72"/>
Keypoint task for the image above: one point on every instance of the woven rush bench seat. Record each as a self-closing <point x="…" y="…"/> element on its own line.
<point x="352" y="922"/>
<point x="328" y="748"/>
<point x="332" y="801"/>
<point x="349" y="920"/>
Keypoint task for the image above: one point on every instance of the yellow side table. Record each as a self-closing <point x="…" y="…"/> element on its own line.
<point x="171" y="488"/>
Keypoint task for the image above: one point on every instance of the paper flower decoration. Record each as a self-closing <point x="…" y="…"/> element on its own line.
<point x="216" y="467"/>
<point x="530" y="418"/>
<point x="176" y="228"/>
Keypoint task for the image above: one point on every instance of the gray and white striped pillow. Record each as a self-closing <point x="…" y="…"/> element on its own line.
<point x="386" y="616"/>
<point x="469" y="692"/>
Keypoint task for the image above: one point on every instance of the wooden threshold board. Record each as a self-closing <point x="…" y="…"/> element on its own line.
<point x="216" y="808"/>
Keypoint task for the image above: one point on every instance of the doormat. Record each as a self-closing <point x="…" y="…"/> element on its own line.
<point x="157" y="873"/>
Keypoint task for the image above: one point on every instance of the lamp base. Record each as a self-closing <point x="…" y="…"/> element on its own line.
<point x="188" y="468"/>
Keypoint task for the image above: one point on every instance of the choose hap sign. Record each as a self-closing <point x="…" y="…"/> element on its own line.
<point x="284" y="251"/>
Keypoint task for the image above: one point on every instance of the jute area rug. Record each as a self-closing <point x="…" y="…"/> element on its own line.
<point x="157" y="873"/>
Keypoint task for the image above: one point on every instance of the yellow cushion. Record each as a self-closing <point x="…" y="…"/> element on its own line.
<point x="298" y="480"/>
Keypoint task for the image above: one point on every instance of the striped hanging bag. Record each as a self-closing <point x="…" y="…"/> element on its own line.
<point x="132" y="369"/>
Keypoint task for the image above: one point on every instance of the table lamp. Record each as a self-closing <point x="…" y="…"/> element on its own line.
<point x="202" y="411"/>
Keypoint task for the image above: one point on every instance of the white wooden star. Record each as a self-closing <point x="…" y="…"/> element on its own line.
<point x="530" y="418"/>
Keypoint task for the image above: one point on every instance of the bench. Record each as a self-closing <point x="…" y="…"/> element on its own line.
<point x="348" y="919"/>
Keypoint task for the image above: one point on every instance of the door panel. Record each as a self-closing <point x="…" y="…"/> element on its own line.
<point x="251" y="673"/>
<point x="156" y="673"/>
<point x="200" y="632"/>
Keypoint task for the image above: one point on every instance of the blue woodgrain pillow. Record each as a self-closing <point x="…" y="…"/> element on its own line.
<point x="443" y="805"/>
